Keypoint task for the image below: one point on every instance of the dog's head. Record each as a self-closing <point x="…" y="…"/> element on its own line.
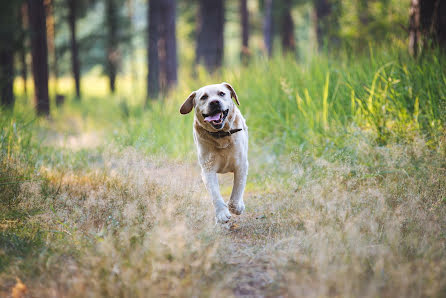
<point x="212" y="104"/>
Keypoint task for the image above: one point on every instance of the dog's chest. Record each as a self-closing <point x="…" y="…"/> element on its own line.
<point x="220" y="160"/>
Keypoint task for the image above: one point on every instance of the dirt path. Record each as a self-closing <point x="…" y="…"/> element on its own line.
<point x="141" y="224"/>
<point x="242" y="253"/>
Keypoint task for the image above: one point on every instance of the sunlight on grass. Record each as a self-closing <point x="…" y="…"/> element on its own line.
<point x="345" y="196"/>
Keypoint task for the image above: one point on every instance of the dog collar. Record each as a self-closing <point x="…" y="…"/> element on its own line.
<point x="221" y="134"/>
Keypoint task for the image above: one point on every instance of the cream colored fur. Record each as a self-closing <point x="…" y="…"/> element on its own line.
<point x="220" y="155"/>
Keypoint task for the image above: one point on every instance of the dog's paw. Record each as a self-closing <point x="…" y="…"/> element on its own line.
<point x="223" y="215"/>
<point x="237" y="208"/>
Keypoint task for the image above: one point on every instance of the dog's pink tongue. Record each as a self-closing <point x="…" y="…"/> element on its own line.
<point x="212" y="118"/>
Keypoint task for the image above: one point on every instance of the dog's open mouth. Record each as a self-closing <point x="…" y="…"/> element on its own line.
<point x="216" y="119"/>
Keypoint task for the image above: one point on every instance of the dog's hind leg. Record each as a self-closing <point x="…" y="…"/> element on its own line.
<point x="210" y="179"/>
<point x="236" y="204"/>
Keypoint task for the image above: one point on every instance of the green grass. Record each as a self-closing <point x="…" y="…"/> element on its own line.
<point x="346" y="192"/>
<point x="387" y="94"/>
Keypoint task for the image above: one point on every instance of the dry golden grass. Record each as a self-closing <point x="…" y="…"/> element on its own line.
<point x="369" y="224"/>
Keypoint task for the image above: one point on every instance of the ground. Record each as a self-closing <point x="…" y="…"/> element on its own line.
<point x="367" y="220"/>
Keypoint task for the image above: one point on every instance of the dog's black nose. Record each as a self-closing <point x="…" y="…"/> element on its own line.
<point x="214" y="104"/>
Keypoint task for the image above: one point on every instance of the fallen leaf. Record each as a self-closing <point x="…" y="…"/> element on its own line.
<point x="234" y="227"/>
<point x="19" y="289"/>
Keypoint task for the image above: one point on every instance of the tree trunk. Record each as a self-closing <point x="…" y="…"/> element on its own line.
<point x="7" y="72"/>
<point x="39" y="53"/>
<point x="244" y="14"/>
<point x="154" y="18"/>
<point x="414" y="27"/>
<point x="211" y="28"/>
<point x="170" y="42"/>
<point x="111" y="11"/>
<point x="288" y="41"/>
<point x="131" y="45"/>
<point x="433" y="21"/>
<point x="441" y="24"/>
<point x="363" y="12"/>
<point x="268" y="27"/>
<point x="23" y="46"/>
<point x="10" y="33"/>
<point x="322" y="12"/>
<point x="326" y="22"/>
<point x="162" y="46"/>
<point x="75" y="66"/>
<point x="51" y="37"/>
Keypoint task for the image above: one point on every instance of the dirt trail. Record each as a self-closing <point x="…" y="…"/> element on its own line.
<point x="242" y="252"/>
<point x="333" y="228"/>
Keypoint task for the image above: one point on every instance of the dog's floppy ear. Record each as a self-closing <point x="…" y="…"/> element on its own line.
<point x="188" y="105"/>
<point x="233" y="94"/>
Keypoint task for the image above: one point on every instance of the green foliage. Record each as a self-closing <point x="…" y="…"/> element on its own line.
<point x="15" y="150"/>
<point x="386" y="94"/>
<point x="346" y="171"/>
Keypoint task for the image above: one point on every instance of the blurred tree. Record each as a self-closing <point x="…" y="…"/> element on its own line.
<point x="326" y="20"/>
<point x="268" y="27"/>
<point x="73" y="8"/>
<point x="131" y="44"/>
<point x="170" y="41"/>
<point x="39" y="53"/>
<point x="427" y="19"/>
<point x="210" y="40"/>
<point x="363" y="12"/>
<point x="154" y="18"/>
<point x="9" y="28"/>
<point x="244" y="15"/>
<point x="162" y="46"/>
<point x="111" y="15"/>
<point x="23" y="46"/>
<point x="414" y="27"/>
<point x="51" y="41"/>
<point x="433" y="21"/>
<point x="287" y="27"/>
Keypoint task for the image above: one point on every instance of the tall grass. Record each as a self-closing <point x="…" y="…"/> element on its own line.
<point x="15" y="140"/>
<point x="288" y="103"/>
<point x="350" y="198"/>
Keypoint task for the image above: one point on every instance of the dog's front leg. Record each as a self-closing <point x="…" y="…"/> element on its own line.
<point x="236" y="204"/>
<point x="210" y="179"/>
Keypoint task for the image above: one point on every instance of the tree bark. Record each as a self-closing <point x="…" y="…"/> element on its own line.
<point x="162" y="47"/>
<point x="111" y="11"/>
<point x="244" y="14"/>
<point x="288" y="40"/>
<point x="363" y="12"/>
<point x="51" y="37"/>
<point x="23" y="46"/>
<point x="131" y="45"/>
<point x="154" y="17"/>
<point x="75" y="65"/>
<point x="39" y="53"/>
<point x="433" y="21"/>
<point x="10" y="35"/>
<point x="414" y="27"/>
<point x="7" y="73"/>
<point x="211" y="28"/>
<point x="268" y="27"/>
<point x="170" y="42"/>
<point x="326" y="22"/>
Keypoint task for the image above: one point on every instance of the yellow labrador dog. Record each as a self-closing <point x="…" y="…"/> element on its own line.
<point x="221" y="137"/>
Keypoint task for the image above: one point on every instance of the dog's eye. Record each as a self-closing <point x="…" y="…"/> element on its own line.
<point x="204" y="97"/>
<point x="221" y="93"/>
